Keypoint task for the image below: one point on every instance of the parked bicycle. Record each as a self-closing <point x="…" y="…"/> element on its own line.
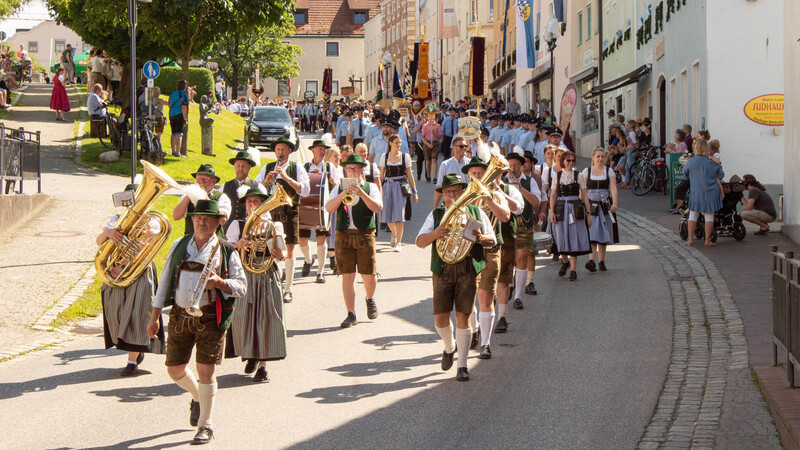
<point x="113" y="129"/>
<point x="650" y="171"/>
<point x="150" y="144"/>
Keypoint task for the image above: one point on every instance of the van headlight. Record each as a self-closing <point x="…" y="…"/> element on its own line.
<point x="254" y="129"/>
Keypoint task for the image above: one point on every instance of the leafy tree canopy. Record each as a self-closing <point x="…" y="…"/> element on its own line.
<point x="9" y="7"/>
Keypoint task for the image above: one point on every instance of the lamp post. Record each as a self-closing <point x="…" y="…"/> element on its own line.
<point x="387" y="63"/>
<point x="134" y="126"/>
<point x="551" y="36"/>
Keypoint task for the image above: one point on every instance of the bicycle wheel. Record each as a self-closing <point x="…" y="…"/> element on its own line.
<point x="642" y="184"/>
<point x="106" y="134"/>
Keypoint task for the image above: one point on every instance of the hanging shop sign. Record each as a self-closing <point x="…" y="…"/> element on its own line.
<point x="765" y="110"/>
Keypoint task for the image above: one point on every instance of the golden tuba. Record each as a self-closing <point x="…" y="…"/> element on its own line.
<point x="258" y="258"/>
<point x="455" y="247"/>
<point x="497" y="165"/>
<point x="137" y="249"/>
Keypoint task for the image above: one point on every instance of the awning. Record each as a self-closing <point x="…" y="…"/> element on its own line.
<point x="503" y="79"/>
<point x="624" y="80"/>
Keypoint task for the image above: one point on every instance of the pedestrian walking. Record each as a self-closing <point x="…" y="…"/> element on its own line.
<point x="59" y="101"/>
<point x="178" y="115"/>
<point x="569" y="215"/>
<point x="399" y="184"/>
<point x="705" y="195"/>
<point x="601" y="184"/>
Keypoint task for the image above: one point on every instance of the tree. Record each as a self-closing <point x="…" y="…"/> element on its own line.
<point x="9" y="7"/>
<point x="190" y="27"/>
<point x="239" y="52"/>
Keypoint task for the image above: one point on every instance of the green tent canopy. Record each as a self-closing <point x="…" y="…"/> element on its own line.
<point x="80" y="63"/>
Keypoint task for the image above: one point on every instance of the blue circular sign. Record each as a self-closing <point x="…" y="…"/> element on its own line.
<point x="151" y="69"/>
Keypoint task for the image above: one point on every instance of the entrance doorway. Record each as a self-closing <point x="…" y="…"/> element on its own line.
<point x="662" y="111"/>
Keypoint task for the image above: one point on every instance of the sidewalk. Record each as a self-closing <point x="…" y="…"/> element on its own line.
<point x="48" y="254"/>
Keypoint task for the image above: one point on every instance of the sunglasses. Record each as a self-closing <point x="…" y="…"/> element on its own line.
<point x="461" y="146"/>
<point x="569" y="160"/>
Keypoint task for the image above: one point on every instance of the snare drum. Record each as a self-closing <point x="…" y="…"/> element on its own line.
<point x="542" y="240"/>
<point x="312" y="215"/>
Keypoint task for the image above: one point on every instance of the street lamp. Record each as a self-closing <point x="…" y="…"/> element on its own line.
<point x="387" y="62"/>
<point x="551" y="36"/>
<point x="134" y="125"/>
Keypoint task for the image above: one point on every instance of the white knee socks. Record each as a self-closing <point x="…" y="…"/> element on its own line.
<point x="463" y="339"/>
<point x="289" y="273"/>
<point x="522" y="274"/>
<point x="322" y="250"/>
<point x="306" y="253"/>
<point x="189" y="383"/>
<point x="473" y="318"/>
<point x="530" y="276"/>
<point x="447" y="337"/>
<point x="502" y="309"/>
<point x="487" y="319"/>
<point x="207" y="394"/>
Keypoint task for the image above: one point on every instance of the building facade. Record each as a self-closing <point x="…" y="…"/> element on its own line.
<point x="584" y="75"/>
<point x="791" y="158"/>
<point x="46" y="40"/>
<point x="373" y="52"/>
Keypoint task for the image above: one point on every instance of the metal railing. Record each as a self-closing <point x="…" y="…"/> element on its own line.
<point x="785" y="309"/>
<point x="19" y="159"/>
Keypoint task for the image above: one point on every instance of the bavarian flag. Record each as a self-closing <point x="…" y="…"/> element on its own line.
<point x="526" y="52"/>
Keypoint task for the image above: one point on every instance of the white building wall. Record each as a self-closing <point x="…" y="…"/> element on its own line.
<point x="372" y="56"/>
<point x="745" y="60"/>
<point x="791" y="157"/>
<point x="45" y="35"/>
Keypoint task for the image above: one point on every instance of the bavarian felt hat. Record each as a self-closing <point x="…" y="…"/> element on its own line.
<point x="283" y="140"/>
<point x="206" y="169"/>
<point x="517" y="153"/>
<point x="206" y="208"/>
<point x="354" y="159"/>
<point x="529" y="155"/>
<point x="451" y="179"/>
<point x="474" y="162"/>
<point x="253" y="191"/>
<point x="319" y="143"/>
<point x="242" y="156"/>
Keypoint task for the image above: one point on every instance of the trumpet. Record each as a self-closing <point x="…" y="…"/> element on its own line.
<point x="194" y="309"/>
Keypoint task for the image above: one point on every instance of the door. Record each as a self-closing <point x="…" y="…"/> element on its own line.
<point x="662" y="111"/>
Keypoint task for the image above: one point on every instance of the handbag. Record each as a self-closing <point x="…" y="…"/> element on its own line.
<point x="405" y="186"/>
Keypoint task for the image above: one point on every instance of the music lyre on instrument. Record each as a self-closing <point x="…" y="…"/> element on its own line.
<point x="137" y="248"/>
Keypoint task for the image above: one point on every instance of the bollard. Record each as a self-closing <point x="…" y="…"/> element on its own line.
<point x="206" y="127"/>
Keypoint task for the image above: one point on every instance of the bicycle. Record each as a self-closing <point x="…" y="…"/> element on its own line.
<point x="649" y="172"/>
<point x="150" y="144"/>
<point x="111" y="134"/>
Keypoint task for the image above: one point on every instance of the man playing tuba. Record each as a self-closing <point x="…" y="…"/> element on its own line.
<point x="454" y="285"/>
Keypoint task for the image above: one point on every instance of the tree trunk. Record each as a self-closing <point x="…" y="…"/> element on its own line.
<point x="187" y="56"/>
<point x="125" y="85"/>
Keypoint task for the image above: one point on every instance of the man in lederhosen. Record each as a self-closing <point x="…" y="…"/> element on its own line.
<point x="293" y="178"/>
<point x="355" y="237"/>
<point x="242" y="163"/>
<point x="181" y="274"/>
<point x="454" y="285"/>
<point x="317" y="165"/>
<point x="207" y="179"/>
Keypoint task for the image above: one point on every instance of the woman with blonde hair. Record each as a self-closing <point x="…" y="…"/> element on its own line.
<point x="601" y="184"/>
<point x="704" y="194"/>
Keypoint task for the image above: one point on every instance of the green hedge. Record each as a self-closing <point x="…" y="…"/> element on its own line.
<point x="202" y="78"/>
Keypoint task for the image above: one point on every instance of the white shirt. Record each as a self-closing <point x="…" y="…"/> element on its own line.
<point x="567" y="177"/>
<point x="534" y="189"/>
<point x="515" y="195"/>
<point x="318" y="168"/>
<point x="302" y="178"/>
<point x="374" y="194"/>
<point x="154" y="225"/>
<point x="188" y="280"/>
<point x="233" y="233"/>
<point x="486" y="228"/>
<point x="452" y="165"/>
<point x="224" y="204"/>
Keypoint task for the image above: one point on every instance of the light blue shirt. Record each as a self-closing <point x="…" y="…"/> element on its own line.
<point x="538" y="150"/>
<point x="377" y="148"/>
<point x="495" y="134"/>
<point x="354" y="128"/>
<point x="403" y="140"/>
<point x="94" y="105"/>
<point x="372" y="132"/>
<point x="506" y="139"/>
<point x="341" y="127"/>
<point x="526" y="139"/>
<point x="450" y="126"/>
<point x="452" y="165"/>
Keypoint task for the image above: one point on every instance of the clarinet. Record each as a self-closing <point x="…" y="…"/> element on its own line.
<point x="200" y="287"/>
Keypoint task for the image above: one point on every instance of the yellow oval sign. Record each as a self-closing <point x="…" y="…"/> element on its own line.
<point x="765" y="110"/>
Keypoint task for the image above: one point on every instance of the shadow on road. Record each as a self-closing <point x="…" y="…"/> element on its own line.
<point x="350" y="393"/>
<point x="132" y="442"/>
<point x="290" y="333"/>
<point x="377" y="368"/>
<point x="12" y="390"/>
<point x="77" y="355"/>
<point x="140" y="393"/>
<point x="387" y="342"/>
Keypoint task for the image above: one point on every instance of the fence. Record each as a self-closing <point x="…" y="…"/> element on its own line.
<point x="786" y="309"/>
<point x="19" y="159"/>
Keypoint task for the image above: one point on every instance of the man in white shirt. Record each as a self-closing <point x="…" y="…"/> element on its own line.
<point x="293" y="179"/>
<point x="207" y="179"/>
<point x="452" y="165"/>
<point x="318" y="166"/>
<point x="355" y="236"/>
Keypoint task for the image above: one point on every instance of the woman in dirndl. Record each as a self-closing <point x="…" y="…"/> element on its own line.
<point x="126" y="310"/>
<point x="569" y="215"/>
<point x="601" y="183"/>
<point x="59" y="101"/>
<point x="334" y="156"/>
<point x="257" y="333"/>
<point x="396" y="171"/>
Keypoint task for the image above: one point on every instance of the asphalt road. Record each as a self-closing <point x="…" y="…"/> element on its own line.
<point x="581" y="367"/>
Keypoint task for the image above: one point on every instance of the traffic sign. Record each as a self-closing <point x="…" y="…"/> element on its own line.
<point x="151" y="69"/>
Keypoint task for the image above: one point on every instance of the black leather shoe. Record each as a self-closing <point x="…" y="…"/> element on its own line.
<point x="204" y="436"/>
<point x="563" y="270"/>
<point x="573" y="275"/>
<point x="486" y="352"/>
<point x="530" y="289"/>
<point x="372" y="309"/>
<point x="603" y="266"/>
<point x="250" y="367"/>
<point x="306" y="268"/>
<point x="502" y="325"/>
<point x="518" y="304"/>
<point x="474" y="343"/>
<point x="140" y="358"/>
<point x="591" y="266"/>
<point x="463" y="374"/>
<point x="194" y="413"/>
<point x="261" y="374"/>
<point x="129" y="370"/>
<point x="350" y="320"/>
<point x="287" y="297"/>
<point x="334" y="269"/>
<point x="447" y="360"/>
<point x="320" y="278"/>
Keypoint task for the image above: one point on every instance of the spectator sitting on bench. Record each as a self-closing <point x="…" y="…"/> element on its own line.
<point x="95" y="103"/>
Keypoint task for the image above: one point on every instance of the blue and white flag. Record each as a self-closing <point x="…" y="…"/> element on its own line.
<point x="526" y="50"/>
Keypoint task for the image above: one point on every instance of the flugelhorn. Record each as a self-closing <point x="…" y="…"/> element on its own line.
<point x="253" y="259"/>
<point x="200" y="288"/>
<point x="137" y="248"/>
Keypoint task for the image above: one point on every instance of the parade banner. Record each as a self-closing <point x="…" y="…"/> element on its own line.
<point x="448" y="23"/>
<point x="765" y="110"/>
<point x="526" y="54"/>
<point x="422" y="71"/>
<point x="477" y="67"/>
<point x="327" y="77"/>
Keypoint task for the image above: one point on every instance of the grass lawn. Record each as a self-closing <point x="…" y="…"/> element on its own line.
<point x="228" y="133"/>
<point x="89" y="304"/>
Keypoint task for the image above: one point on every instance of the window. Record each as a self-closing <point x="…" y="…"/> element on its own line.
<point x="283" y="88"/>
<point x="580" y="27"/>
<point x="60" y="45"/>
<point x="538" y="23"/>
<point x="301" y="17"/>
<point x="588" y="22"/>
<point x="590" y="118"/>
<point x="335" y="87"/>
<point x="33" y="47"/>
<point x="696" y="95"/>
<point x="473" y="11"/>
<point x="673" y="96"/>
<point x="360" y="17"/>
<point x="491" y="10"/>
<point x="331" y="49"/>
<point x="312" y="86"/>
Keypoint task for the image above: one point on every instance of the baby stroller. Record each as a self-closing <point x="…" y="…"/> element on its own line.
<point x="727" y="221"/>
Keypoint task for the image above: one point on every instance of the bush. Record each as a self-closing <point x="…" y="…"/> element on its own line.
<point x="202" y="78"/>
